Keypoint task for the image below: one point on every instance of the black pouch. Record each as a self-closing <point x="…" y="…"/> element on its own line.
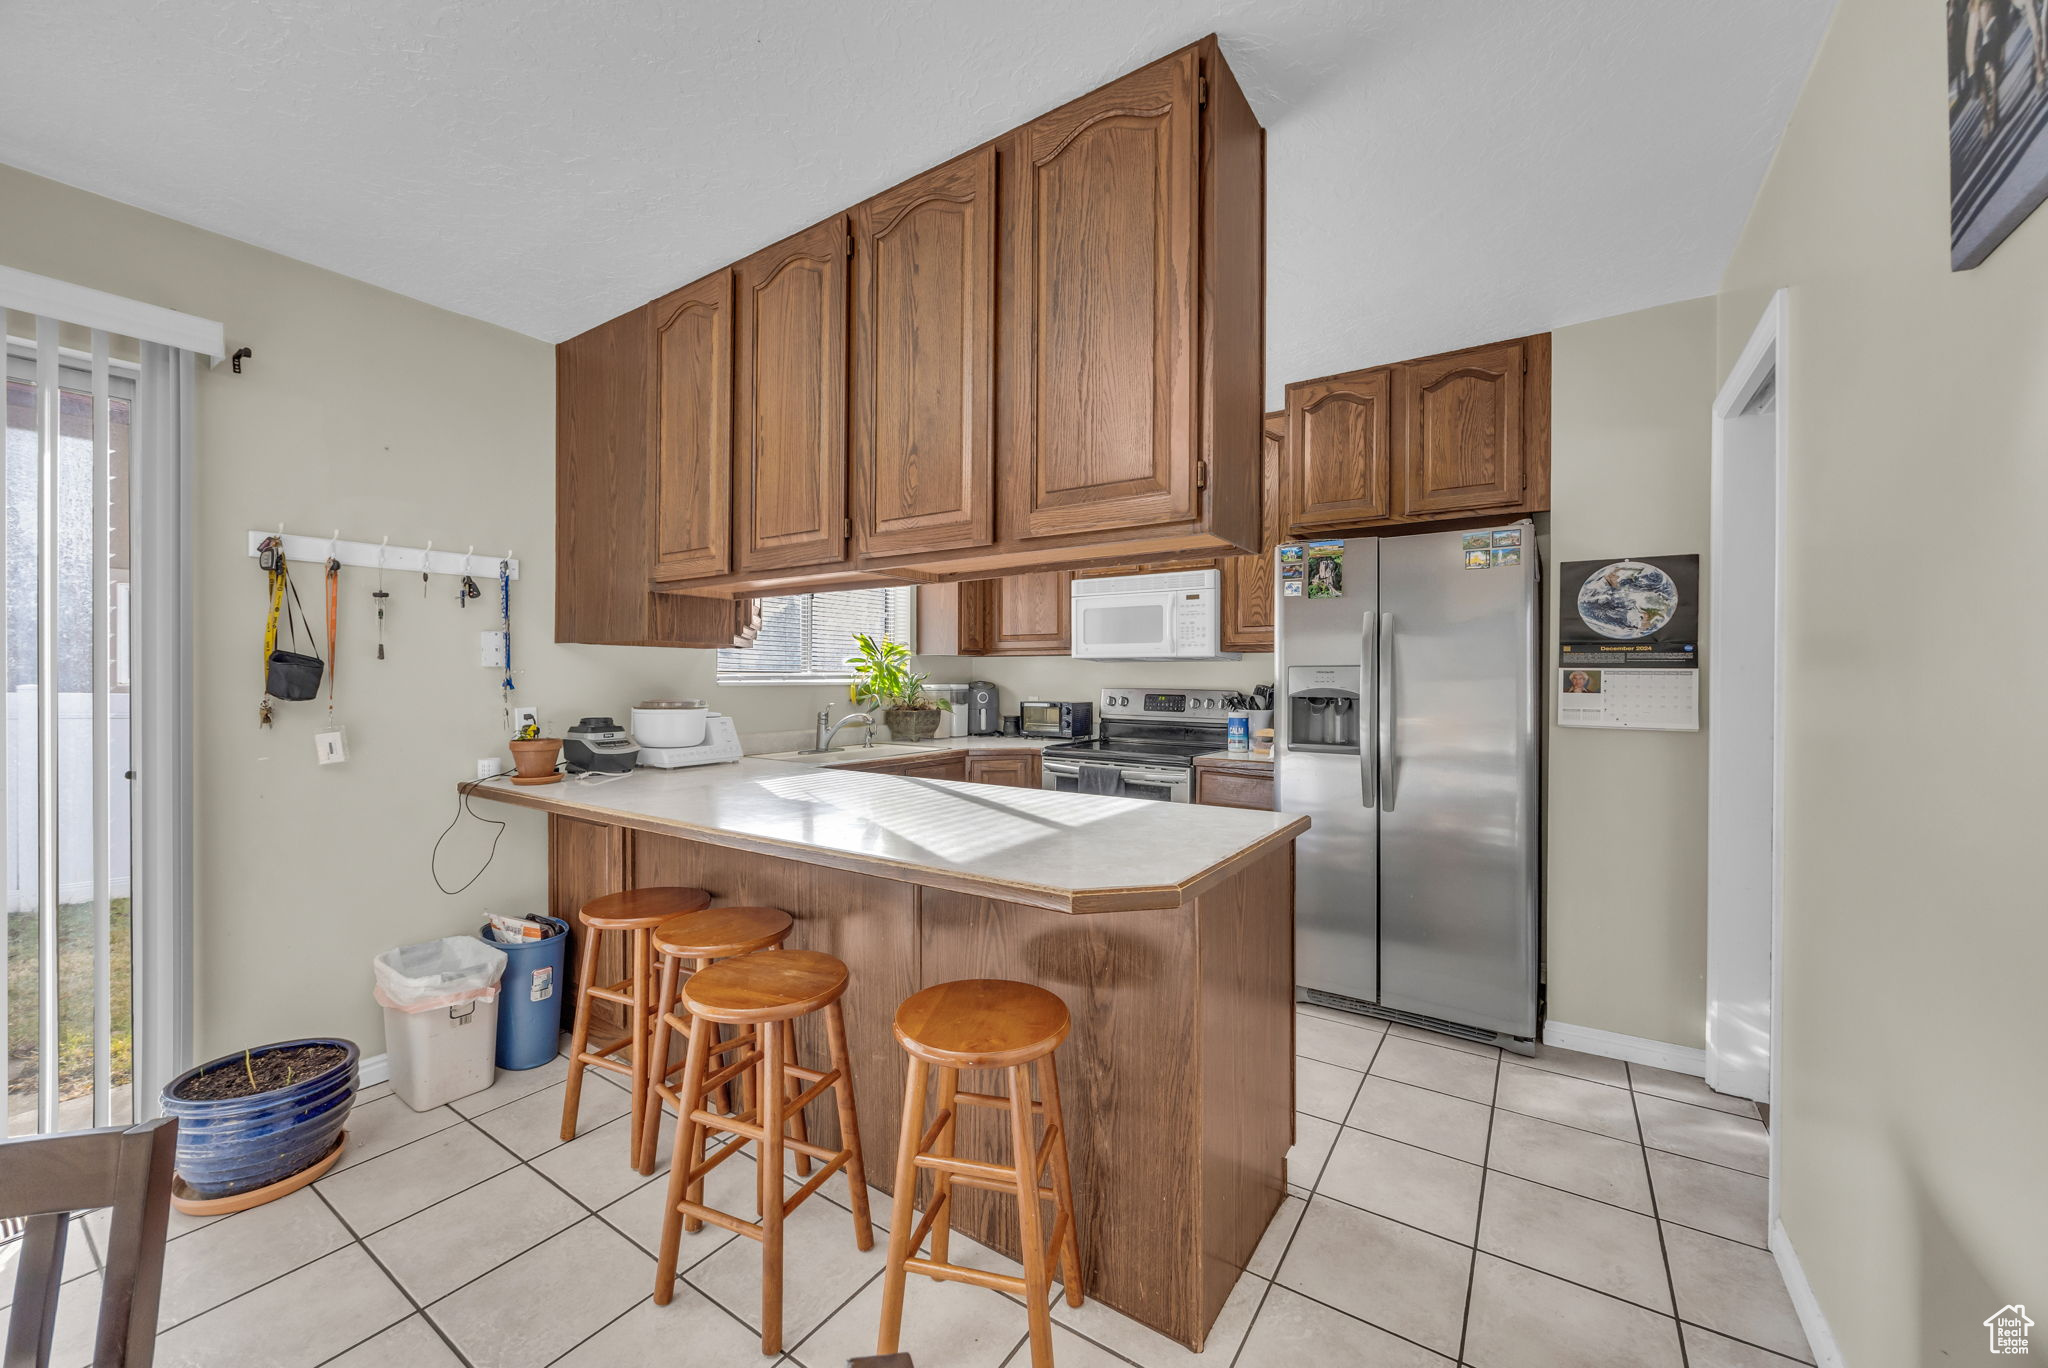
<point x="291" y="675"/>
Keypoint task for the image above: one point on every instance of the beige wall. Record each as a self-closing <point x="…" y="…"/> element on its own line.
<point x="369" y="412"/>
<point x="1626" y="929"/>
<point x="1913" y="1108"/>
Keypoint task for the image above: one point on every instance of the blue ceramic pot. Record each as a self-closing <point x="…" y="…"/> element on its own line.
<point x="235" y="1145"/>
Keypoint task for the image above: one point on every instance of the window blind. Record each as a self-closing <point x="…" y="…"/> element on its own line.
<point x="806" y="638"/>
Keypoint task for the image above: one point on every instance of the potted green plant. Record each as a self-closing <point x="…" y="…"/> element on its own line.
<point x="882" y="678"/>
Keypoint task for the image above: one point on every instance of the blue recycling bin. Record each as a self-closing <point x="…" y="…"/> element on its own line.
<point x="529" y="1013"/>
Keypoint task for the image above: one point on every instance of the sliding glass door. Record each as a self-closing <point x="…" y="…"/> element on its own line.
<point x="67" y="1028"/>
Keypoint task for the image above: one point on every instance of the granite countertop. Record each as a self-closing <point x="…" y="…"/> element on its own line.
<point x="1230" y="757"/>
<point x="1066" y="851"/>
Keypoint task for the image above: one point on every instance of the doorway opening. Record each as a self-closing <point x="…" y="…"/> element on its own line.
<point x="1745" y="748"/>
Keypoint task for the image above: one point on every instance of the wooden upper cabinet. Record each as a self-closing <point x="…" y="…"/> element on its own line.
<point x="789" y="421"/>
<point x="924" y="273"/>
<point x="1339" y="469"/>
<point x="1462" y="440"/>
<point x="1249" y="581"/>
<point x="692" y="470"/>
<point x="1031" y="614"/>
<point x="1102" y="321"/>
<point x="956" y="618"/>
<point x="605" y="519"/>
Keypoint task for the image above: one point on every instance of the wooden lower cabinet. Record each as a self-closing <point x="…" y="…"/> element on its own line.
<point x="1005" y="768"/>
<point x="1234" y="783"/>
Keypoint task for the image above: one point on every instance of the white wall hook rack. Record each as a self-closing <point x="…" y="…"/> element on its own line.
<point x="373" y="555"/>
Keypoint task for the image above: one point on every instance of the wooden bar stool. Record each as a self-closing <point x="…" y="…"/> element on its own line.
<point x="686" y="945"/>
<point x="634" y="914"/>
<point x="765" y="991"/>
<point x="983" y="1024"/>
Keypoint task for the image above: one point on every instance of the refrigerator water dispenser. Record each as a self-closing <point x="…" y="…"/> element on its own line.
<point x="1323" y="708"/>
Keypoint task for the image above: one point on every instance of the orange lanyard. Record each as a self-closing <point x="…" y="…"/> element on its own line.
<point x="333" y="620"/>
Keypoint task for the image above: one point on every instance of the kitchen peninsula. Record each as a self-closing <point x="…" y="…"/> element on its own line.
<point x="1166" y="928"/>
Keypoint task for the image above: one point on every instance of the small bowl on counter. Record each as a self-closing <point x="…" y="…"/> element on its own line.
<point x="662" y="723"/>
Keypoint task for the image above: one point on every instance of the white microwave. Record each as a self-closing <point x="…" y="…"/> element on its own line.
<point x="1171" y="616"/>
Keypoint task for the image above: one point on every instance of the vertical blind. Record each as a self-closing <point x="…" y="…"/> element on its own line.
<point x="806" y="638"/>
<point x="64" y="863"/>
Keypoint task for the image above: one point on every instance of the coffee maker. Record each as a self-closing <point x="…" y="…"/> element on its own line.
<point x="984" y="709"/>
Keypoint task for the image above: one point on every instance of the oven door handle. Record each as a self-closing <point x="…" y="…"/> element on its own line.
<point x="1174" y="778"/>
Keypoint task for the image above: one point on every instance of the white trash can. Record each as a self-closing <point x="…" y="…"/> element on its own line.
<point x="440" y="1001"/>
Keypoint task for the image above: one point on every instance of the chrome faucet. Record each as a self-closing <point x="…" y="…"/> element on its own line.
<point x="828" y="729"/>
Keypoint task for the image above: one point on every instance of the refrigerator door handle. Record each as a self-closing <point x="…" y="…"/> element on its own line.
<point x="1368" y="688"/>
<point x="1383" y="702"/>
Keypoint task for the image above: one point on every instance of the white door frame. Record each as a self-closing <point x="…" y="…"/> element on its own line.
<point x="1745" y="744"/>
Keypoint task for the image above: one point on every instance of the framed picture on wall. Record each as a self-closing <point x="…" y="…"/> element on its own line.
<point x="1997" y="122"/>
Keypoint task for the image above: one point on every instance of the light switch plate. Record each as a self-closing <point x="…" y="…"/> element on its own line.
<point x="331" y="747"/>
<point x="492" y="650"/>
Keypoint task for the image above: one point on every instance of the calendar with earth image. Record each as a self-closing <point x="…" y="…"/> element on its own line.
<point x="1628" y="643"/>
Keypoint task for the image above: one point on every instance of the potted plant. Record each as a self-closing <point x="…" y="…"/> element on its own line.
<point x="259" y="1123"/>
<point x="534" y="756"/>
<point x="882" y="678"/>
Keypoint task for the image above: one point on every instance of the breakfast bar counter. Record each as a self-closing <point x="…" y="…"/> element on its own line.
<point x="1166" y="928"/>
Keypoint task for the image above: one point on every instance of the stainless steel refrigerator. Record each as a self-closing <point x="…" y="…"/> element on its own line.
<point x="1407" y="728"/>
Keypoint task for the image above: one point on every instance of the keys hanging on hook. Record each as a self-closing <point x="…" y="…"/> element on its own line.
<point x="467" y="592"/>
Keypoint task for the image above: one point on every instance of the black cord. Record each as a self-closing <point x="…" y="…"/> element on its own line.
<point x="462" y="796"/>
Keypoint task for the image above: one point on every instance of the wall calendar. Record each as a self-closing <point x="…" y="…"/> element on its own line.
<point x="1628" y="643"/>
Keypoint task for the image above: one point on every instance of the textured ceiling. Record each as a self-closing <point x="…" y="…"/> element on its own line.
<point x="1441" y="172"/>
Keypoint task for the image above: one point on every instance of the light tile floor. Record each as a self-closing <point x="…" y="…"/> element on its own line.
<point x="1449" y="1205"/>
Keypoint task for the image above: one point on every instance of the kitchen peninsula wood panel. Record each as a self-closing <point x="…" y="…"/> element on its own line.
<point x="1177" y="1078"/>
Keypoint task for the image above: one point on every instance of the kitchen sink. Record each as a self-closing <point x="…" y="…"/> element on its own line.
<point x="853" y="754"/>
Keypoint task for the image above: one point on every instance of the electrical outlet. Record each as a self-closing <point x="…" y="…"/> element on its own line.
<point x="489" y="766"/>
<point x="492" y="650"/>
<point x="523" y="717"/>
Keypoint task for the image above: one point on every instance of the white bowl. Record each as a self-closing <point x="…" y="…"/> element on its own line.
<point x="666" y="727"/>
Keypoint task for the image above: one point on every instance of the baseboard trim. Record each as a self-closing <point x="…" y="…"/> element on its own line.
<point x="372" y="1070"/>
<point x="1819" y="1338"/>
<point x="1635" y="1049"/>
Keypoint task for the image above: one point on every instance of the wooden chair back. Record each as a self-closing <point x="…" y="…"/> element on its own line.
<point x="45" y="1181"/>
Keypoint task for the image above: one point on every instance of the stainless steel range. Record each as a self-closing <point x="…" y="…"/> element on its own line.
<point x="1145" y="744"/>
